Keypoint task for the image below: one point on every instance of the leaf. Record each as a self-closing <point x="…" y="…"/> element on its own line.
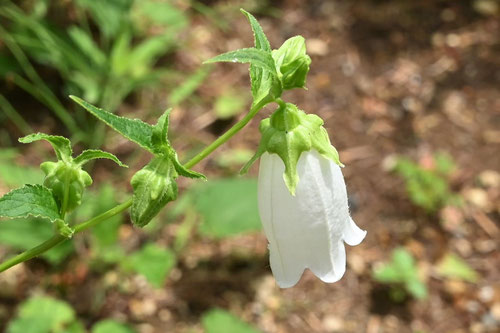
<point x="42" y="314"/>
<point x="133" y="129"/>
<point x="87" y="45"/>
<point x="30" y="200"/>
<point x="14" y="175"/>
<point x="260" y="38"/>
<point x="221" y="321"/>
<point x="189" y="86"/>
<point x="92" y="154"/>
<point x="61" y="145"/>
<point x="153" y="262"/>
<point x="228" y="207"/>
<point x="111" y="326"/>
<point x="24" y="234"/>
<point x="159" y="137"/>
<point x="416" y="288"/>
<point x="182" y="170"/>
<point x="229" y="104"/>
<point x="256" y="57"/>
<point x="454" y="267"/>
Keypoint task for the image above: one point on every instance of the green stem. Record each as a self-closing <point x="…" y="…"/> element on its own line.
<point x="57" y="239"/>
<point x="226" y="136"/>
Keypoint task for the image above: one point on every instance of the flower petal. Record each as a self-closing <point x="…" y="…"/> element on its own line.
<point x="353" y="235"/>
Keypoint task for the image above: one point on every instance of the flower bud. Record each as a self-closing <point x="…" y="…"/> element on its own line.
<point x="292" y="62"/>
<point x="154" y="186"/>
<point x="57" y="174"/>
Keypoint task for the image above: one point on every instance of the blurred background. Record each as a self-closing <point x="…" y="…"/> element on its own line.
<point x="409" y="94"/>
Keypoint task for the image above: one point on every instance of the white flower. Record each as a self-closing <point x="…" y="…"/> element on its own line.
<point x="307" y="230"/>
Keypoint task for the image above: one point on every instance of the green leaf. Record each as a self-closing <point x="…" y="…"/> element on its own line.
<point x="221" y="321"/>
<point x="42" y="314"/>
<point x="452" y="266"/>
<point x="189" y="86"/>
<point x="416" y="288"/>
<point x="260" y="38"/>
<point x="92" y="154"/>
<point x="229" y="104"/>
<point x="61" y="145"/>
<point x="24" y="234"/>
<point x="159" y="137"/>
<point x="133" y="129"/>
<point x="228" y="207"/>
<point x="111" y="326"/>
<point x="256" y="57"/>
<point x="87" y="46"/>
<point x="182" y="170"/>
<point x="30" y="200"/>
<point x="153" y="262"/>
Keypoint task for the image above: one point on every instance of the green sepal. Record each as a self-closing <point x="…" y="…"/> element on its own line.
<point x="61" y="145"/>
<point x="58" y="174"/>
<point x="288" y="133"/>
<point x="292" y="62"/>
<point x="64" y="229"/>
<point x="154" y="186"/>
<point x="92" y="154"/>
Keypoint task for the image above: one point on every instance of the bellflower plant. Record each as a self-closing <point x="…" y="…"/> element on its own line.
<point x="302" y="196"/>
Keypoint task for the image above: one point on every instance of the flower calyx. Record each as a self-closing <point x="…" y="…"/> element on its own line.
<point x="289" y="132"/>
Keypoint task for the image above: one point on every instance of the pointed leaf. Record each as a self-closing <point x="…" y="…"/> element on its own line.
<point x="160" y="131"/>
<point x="259" y="58"/>
<point x="183" y="171"/>
<point x="61" y="145"/>
<point x="30" y="200"/>
<point x="133" y="129"/>
<point x="92" y="154"/>
<point x="260" y="38"/>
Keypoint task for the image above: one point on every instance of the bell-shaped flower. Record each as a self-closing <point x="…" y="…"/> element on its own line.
<point x="302" y="198"/>
<point x="307" y="230"/>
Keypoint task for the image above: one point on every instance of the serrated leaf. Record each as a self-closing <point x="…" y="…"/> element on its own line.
<point x="92" y="154"/>
<point x="133" y="129"/>
<point x="256" y="57"/>
<point x="153" y="262"/>
<point x="61" y="145"/>
<point x="30" y="200"/>
<point x="260" y="38"/>
<point x="221" y="321"/>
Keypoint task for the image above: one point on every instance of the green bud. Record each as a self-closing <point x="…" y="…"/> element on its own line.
<point x="292" y="62"/>
<point x="289" y="132"/>
<point x="154" y="186"/>
<point x="57" y="174"/>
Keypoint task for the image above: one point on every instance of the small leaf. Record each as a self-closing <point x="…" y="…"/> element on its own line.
<point x="221" y="321"/>
<point x="159" y="137"/>
<point x="92" y="154"/>
<point x="153" y="262"/>
<point x="259" y="58"/>
<point x="61" y="145"/>
<point x="42" y="314"/>
<point x="133" y="129"/>
<point x="454" y="267"/>
<point x="182" y="170"/>
<point x="260" y="38"/>
<point x="111" y="326"/>
<point x="30" y="200"/>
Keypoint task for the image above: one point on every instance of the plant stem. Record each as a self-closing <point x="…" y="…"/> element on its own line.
<point x="226" y="136"/>
<point x="57" y="239"/>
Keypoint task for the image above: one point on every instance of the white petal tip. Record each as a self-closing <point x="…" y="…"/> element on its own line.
<point x="353" y="235"/>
